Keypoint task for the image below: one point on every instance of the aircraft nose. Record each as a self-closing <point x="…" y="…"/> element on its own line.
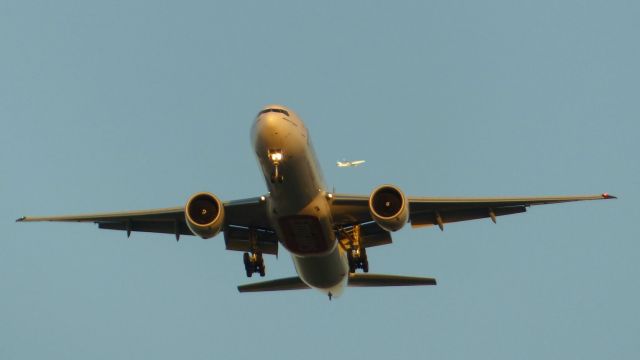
<point x="269" y="128"/>
<point x="267" y="123"/>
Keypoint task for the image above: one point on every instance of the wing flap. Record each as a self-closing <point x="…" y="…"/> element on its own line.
<point x="240" y="239"/>
<point x="372" y="234"/>
<point x="162" y="227"/>
<point x="428" y="218"/>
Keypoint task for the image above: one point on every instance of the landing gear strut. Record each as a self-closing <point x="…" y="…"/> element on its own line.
<point x="356" y="253"/>
<point x="276" y="177"/>
<point x="253" y="263"/>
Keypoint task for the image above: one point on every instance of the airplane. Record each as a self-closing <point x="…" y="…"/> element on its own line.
<point x="346" y="163"/>
<point x="326" y="233"/>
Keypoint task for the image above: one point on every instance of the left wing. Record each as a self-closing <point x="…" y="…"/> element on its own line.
<point x="427" y="211"/>
<point x="239" y="215"/>
<point x="168" y="220"/>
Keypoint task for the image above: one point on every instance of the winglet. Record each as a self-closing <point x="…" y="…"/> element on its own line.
<point x="21" y="219"/>
<point x="607" y="196"/>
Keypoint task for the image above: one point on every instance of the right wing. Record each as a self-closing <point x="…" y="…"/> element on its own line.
<point x="240" y="215"/>
<point x="350" y="210"/>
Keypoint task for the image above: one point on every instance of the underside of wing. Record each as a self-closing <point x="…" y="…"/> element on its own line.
<point x="350" y="210"/>
<point x="438" y="211"/>
<point x="239" y="217"/>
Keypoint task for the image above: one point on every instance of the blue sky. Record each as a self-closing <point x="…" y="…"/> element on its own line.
<point x="130" y="105"/>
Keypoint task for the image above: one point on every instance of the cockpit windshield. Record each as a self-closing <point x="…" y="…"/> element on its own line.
<point x="273" y="110"/>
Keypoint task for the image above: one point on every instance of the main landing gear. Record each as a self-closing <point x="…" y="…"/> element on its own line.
<point x="253" y="263"/>
<point x="356" y="253"/>
<point x="358" y="260"/>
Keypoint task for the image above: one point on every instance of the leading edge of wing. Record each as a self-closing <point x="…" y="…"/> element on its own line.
<point x="242" y="206"/>
<point x="349" y="199"/>
<point x="506" y="201"/>
<point x="108" y="216"/>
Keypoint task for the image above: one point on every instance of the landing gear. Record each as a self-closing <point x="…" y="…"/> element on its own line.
<point x="358" y="260"/>
<point x="356" y="253"/>
<point x="253" y="263"/>
<point x="276" y="177"/>
<point x="276" y="156"/>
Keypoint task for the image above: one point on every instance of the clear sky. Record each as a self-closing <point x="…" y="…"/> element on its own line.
<point x="124" y="105"/>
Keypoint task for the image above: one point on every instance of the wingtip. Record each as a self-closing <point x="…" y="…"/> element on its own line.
<point x="608" y="196"/>
<point x="21" y="219"/>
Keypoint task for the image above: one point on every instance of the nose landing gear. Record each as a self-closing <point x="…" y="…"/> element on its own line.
<point x="276" y="177"/>
<point x="276" y="156"/>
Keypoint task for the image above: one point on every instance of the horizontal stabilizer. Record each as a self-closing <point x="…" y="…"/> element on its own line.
<point x="292" y="283"/>
<point x="355" y="280"/>
<point x="374" y="280"/>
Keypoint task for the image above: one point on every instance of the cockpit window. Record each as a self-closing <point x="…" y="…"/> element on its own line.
<point x="274" y="110"/>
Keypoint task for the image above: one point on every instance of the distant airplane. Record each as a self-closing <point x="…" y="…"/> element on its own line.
<point x="327" y="234"/>
<point x="354" y="163"/>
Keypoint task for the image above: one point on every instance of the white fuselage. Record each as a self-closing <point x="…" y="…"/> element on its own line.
<point x="298" y="204"/>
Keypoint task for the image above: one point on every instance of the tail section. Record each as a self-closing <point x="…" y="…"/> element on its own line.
<point x="355" y="280"/>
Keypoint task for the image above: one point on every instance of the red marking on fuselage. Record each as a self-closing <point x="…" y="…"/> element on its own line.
<point x="303" y="235"/>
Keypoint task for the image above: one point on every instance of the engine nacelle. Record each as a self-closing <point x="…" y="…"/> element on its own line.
<point x="204" y="214"/>
<point x="389" y="207"/>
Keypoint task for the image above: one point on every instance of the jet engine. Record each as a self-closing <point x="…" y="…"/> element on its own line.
<point x="204" y="214"/>
<point x="389" y="207"/>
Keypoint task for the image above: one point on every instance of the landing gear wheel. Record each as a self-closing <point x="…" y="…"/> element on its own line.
<point x="358" y="260"/>
<point x="254" y="263"/>
<point x="277" y="179"/>
<point x="246" y="258"/>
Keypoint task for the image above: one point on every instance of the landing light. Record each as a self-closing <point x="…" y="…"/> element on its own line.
<point x="275" y="156"/>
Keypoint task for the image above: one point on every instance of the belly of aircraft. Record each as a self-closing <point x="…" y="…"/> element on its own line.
<point x="303" y="235"/>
